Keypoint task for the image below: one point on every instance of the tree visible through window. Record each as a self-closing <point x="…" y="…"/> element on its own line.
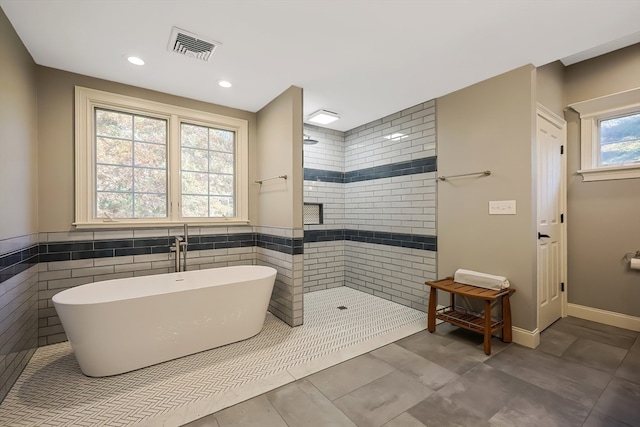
<point x="207" y="171"/>
<point x="131" y="165"/>
<point x="620" y="140"/>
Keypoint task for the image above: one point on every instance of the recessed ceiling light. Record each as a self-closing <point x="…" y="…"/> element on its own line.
<point x="224" y="83"/>
<point x="135" y="60"/>
<point x="323" y="117"/>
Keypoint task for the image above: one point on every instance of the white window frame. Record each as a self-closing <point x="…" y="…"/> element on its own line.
<point x="591" y="113"/>
<point x="87" y="100"/>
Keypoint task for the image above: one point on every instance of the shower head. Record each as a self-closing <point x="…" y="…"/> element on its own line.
<point x="307" y="140"/>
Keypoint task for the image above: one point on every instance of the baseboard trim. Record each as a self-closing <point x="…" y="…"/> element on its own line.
<point x="610" y="318"/>
<point x="526" y="338"/>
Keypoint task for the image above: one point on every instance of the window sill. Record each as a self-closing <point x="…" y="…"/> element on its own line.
<point x="610" y="173"/>
<point x="131" y="225"/>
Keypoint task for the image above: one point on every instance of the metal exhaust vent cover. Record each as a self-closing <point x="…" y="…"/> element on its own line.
<point x="193" y="45"/>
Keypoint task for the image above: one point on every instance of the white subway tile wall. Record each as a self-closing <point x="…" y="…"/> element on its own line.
<point x="401" y="204"/>
<point x="374" y="144"/>
<point x="324" y="265"/>
<point x="328" y="153"/>
<point x="385" y="200"/>
<point x="324" y="261"/>
<point x="278" y="231"/>
<point x="332" y="197"/>
<point x="393" y="273"/>
<point x="286" y="300"/>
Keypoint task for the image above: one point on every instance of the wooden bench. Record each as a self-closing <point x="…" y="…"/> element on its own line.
<point x="468" y="320"/>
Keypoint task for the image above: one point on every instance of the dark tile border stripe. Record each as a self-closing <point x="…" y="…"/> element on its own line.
<point x="16" y="262"/>
<point x="414" y="241"/>
<point x="410" y="167"/>
<point x="285" y="245"/>
<point x="323" y="175"/>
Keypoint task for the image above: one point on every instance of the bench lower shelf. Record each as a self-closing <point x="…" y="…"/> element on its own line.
<point x="467" y="319"/>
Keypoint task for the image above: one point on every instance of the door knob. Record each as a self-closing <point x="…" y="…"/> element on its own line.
<point x="540" y="235"/>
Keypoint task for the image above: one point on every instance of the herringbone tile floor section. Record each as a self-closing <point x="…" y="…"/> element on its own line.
<point x="53" y="392"/>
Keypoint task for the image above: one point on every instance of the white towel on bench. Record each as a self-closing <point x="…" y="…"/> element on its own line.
<point x="483" y="280"/>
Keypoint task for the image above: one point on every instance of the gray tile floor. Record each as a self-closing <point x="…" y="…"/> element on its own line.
<point x="582" y="374"/>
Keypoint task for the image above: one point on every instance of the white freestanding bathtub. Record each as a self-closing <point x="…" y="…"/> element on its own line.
<point x="120" y="325"/>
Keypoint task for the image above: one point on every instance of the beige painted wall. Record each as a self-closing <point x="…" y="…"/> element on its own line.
<point x="56" y="129"/>
<point x="18" y="136"/>
<point x="550" y="87"/>
<point x="280" y="153"/>
<point x="490" y="126"/>
<point x="611" y="73"/>
<point x="604" y="216"/>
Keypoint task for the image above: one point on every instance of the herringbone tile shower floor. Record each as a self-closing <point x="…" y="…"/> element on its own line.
<point x="53" y="392"/>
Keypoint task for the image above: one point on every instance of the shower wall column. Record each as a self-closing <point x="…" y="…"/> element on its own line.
<point x="279" y="201"/>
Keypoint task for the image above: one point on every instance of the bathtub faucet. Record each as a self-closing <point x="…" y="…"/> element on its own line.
<point x="180" y="246"/>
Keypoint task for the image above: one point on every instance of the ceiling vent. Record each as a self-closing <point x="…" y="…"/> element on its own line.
<point x="193" y="45"/>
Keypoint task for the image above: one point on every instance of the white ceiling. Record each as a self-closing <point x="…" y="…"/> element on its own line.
<point x="361" y="59"/>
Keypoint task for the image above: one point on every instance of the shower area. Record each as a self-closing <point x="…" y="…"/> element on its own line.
<point x="370" y="207"/>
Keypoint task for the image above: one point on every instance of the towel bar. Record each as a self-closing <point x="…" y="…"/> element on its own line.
<point x="485" y="173"/>
<point x="260" y="181"/>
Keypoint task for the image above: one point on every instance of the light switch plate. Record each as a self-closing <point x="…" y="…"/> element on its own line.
<point x="502" y="207"/>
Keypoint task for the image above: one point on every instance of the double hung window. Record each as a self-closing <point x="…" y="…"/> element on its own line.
<point x="145" y="163"/>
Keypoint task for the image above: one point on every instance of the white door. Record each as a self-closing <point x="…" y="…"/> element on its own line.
<point x="551" y="228"/>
